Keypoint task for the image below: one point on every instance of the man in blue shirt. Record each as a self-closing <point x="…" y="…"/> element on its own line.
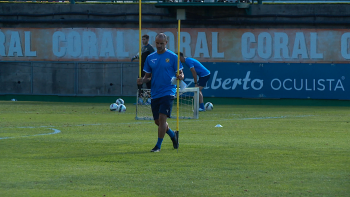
<point x="197" y="69"/>
<point x="160" y="67"/>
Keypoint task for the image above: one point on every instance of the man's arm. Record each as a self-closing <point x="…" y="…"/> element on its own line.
<point x="194" y="74"/>
<point x="181" y="75"/>
<point x="147" y="78"/>
<point x="135" y="57"/>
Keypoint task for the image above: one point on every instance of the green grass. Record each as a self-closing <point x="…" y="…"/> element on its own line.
<point x="259" y="151"/>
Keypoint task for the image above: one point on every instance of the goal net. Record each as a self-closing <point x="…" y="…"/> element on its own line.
<point x="188" y="104"/>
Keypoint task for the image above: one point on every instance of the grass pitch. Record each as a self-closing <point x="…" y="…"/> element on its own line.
<point x="83" y="149"/>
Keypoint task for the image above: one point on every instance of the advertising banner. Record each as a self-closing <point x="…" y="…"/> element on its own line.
<point x="276" y="80"/>
<point x="205" y="44"/>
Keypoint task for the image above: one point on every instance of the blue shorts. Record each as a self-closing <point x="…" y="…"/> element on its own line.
<point x="203" y="81"/>
<point x="162" y="105"/>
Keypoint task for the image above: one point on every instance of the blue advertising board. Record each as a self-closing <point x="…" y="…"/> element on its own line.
<point x="276" y="80"/>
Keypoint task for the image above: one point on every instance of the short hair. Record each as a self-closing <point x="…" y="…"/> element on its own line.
<point x="145" y="36"/>
<point x="162" y="35"/>
<point x="181" y="54"/>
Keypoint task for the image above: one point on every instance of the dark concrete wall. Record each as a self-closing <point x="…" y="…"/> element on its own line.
<point x="15" y="78"/>
<point x="126" y="15"/>
<point x="53" y="78"/>
<point x="68" y="78"/>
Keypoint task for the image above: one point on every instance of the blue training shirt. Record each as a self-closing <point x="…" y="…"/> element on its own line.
<point x="163" y="68"/>
<point x="198" y="67"/>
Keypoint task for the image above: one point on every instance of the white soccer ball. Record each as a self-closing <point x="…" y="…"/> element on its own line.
<point x="119" y="101"/>
<point x="209" y="106"/>
<point x="121" y="108"/>
<point x="149" y="100"/>
<point x="113" y="107"/>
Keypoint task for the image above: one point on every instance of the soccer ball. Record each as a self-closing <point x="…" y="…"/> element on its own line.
<point x="121" y="108"/>
<point x="119" y="101"/>
<point x="149" y="100"/>
<point x="113" y="107"/>
<point x="209" y="106"/>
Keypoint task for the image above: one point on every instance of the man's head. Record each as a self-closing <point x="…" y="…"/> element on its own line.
<point x="145" y="39"/>
<point x="182" y="58"/>
<point x="161" y="42"/>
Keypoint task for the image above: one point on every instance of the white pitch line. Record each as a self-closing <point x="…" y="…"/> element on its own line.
<point x="55" y="132"/>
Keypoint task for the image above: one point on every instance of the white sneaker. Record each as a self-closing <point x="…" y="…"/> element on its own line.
<point x="201" y="109"/>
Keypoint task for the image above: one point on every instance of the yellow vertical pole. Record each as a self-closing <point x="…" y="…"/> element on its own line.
<point x="140" y="39"/>
<point x="178" y="72"/>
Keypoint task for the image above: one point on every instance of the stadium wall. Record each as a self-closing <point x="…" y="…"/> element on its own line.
<point x="265" y="51"/>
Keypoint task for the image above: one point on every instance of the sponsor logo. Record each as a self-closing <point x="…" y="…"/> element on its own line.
<point x="153" y="60"/>
<point x="276" y="84"/>
<point x="233" y="83"/>
<point x="307" y="84"/>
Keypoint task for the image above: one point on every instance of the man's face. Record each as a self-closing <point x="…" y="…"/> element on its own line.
<point x="144" y="41"/>
<point x="160" y="44"/>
